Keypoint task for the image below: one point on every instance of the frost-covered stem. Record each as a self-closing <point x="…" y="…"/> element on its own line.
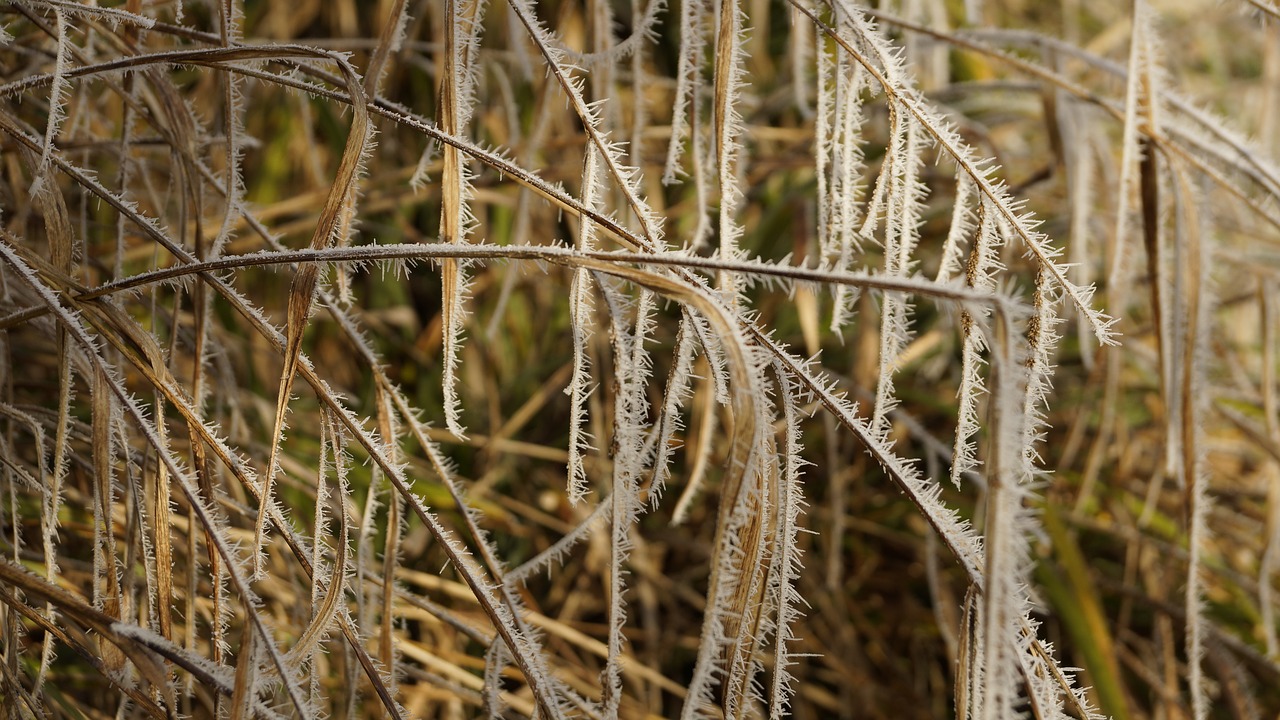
<point x="58" y="91"/>
<point x="454" y="214"/>
<point x="580" y="310"/>
<point x="106" y="580"/>
<point x="729" y="59"/>
<point x="844" y="239"/>
<point x="389" y="429"/>
<point x="677" y="393"/>
<point x="631" y="409"/>
<point x="902" y="200"/>
<point x="824" y="146"/>
<point x="229" y="16"/>
<point x="688" y="81"/>
<point x="320" y="526"/>
<point x="962" y="224"/>
<point x="980" y="272"/>
<point x="626" y="177"/>
<point x="1004" y="545"/>
<point x="787" y="556"/>
<point x="898" y="90"/>
<point x="52" y="501"/>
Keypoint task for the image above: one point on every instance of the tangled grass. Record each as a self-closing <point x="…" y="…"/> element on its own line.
<point x="447" y="359"/>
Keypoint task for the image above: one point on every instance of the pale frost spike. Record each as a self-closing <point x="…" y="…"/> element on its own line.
<point x="496" y="660"/>
<point x="631" y="411"/>
<point x="52" y="503"/>
<point x="824" y="145"/>
<point x="712" y="350"/>
<point x="752" y="524"/>
<point x="1042" y="337"/>
<point x="472" y="27"/>
<point x="580" y="310"/>
<point x="559" y="550"/>
<point x="688" y="81"/>
<point x="903" y="222"/>
<point x="980" y="272"/>
<point x="59" y="90"/>
<point x="456" y="220"/>
<point x="730" y="56"/>
<point x="1004" y="597"/>
<point x="838" y="147"/>
<point x="788" y="556"/>
<point x="230" y="16"/>
<point x="320" y="526"/>
<point x="626" y="178"/>
<point x="644" y="28"/>
<point x="846" y="185"/>
<point x="678" y="392"/>
<point x="903" y="206"/>
<point x="421" y="177"/>
<point x="962" y="224"/>
<point x="893" y="79"/>
<point x="603" y="78"/>
<point x="454" y="286"/>
<point x="882" y="189"/>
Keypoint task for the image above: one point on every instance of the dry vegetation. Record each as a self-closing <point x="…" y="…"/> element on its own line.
<point x="452" y="358"/>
